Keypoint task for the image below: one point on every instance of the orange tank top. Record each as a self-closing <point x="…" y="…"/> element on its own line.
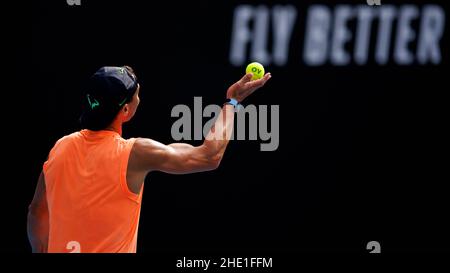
<point x="90" y="206"/>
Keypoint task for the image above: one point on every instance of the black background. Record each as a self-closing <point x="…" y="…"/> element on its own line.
<point x="362" y="152"/>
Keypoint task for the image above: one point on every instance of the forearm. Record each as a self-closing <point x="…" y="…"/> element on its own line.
<point x="220" y="133"/>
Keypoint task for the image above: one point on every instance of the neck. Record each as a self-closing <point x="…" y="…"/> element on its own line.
<point x="115" y="126"/>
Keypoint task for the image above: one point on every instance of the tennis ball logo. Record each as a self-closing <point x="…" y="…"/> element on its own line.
<point x="256" y="69"/>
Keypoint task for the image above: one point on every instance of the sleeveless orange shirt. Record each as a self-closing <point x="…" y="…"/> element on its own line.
<point x="90" y="206"/>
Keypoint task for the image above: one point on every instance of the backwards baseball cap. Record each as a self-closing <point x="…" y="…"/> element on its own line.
<point x="107" y="91"/>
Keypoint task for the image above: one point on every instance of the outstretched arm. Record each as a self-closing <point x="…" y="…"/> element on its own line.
<point x="38" y="221"/>
<point x="179" y="158"/>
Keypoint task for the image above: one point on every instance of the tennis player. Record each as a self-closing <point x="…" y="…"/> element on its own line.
<point x="88" y="195"/>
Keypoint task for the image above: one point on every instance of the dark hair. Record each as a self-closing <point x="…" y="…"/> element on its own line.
<point x="98" y="118"/>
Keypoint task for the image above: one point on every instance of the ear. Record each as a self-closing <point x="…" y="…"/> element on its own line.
<point x="125" y="110"/>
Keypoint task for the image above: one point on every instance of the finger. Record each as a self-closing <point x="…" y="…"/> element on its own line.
<point x="260" y="82"/>
<point x="254" y="84"/>
<point x="247" y="77"/>
<point x="267" y="76"/>
<point x="264" y="79"/>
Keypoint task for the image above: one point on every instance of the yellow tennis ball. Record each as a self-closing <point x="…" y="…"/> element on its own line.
<point x="256" y="69"/>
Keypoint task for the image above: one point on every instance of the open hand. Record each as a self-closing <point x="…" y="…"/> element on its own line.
<point x="245" y="86"/>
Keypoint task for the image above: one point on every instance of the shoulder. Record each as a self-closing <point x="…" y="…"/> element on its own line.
<point x="68" y="138"/>
<point x="64" y="142"/>
<point x="144" y="146"/>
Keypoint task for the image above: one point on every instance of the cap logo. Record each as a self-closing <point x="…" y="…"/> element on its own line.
<point x="93" y="103"/>
<point x="123" y="102"/>
<point x="121" y="70"/>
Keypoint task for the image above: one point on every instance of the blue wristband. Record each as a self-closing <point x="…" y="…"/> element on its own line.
<point x="233" y="102"/>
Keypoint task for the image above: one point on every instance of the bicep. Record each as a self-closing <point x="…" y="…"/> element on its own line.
<point x="176" y="158"/>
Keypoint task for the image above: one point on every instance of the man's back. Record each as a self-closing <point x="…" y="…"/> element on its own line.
<point x="85" y="198"/>
<point x="90" y="205"/>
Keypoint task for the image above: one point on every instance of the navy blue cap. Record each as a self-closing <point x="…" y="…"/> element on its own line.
<point x="106" y="92"/>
